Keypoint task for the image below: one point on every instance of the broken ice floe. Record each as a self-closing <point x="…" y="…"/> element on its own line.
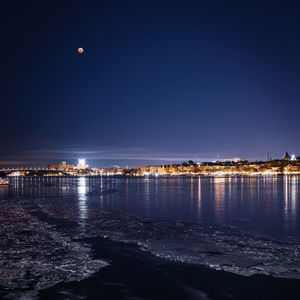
<point x="218" y="247"/>
<point x="34" y="255"/>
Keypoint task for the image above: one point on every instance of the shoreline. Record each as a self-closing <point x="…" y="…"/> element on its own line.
<point x="153" y="176"/>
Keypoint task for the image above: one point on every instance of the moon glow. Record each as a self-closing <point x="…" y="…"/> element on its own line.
<point x="80" y="50"/>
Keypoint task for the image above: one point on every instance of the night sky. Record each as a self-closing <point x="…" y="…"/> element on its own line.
<point x="159" y="81"/>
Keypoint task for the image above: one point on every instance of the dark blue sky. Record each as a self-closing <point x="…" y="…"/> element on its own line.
<point x="159" y="81"/>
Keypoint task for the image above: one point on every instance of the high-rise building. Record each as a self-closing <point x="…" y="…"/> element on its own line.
<point x="82" y="164"/>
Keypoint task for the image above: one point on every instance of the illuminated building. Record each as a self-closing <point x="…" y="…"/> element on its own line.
<point x="63" y="166"/>
<point x="82" y="164"/>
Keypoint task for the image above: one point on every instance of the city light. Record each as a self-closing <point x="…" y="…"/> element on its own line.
<point x="288" y="164"/>
<point x="82" y="164"/>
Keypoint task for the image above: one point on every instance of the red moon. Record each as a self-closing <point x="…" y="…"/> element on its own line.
<point x="80" y="50"/>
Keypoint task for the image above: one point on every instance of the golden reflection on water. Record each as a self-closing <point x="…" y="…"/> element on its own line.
<point x="199" y="195"/>
<point x="290" y="198"/>
<point x="219" y="188"/>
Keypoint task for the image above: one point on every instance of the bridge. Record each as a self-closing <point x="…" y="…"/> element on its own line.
<point x="34" y="171"/>
<point x="22" y="169"/>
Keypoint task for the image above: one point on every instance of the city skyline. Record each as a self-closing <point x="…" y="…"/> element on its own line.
<point x="107" y="160"/>
<point x="289" y="164"/>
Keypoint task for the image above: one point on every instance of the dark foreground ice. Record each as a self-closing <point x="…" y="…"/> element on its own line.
<point x="218" y="247"/>
<point x="41" y="244"/>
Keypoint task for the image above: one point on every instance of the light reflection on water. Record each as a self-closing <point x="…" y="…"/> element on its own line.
<point x="267" y="205"/>
<point x="82" y="189"/>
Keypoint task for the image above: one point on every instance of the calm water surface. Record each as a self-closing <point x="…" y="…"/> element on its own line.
<point x="264" y="205"/>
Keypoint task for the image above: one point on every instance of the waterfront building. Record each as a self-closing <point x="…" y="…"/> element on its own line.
<point x="81" y="165"/>
<point x="63" y="166"/>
